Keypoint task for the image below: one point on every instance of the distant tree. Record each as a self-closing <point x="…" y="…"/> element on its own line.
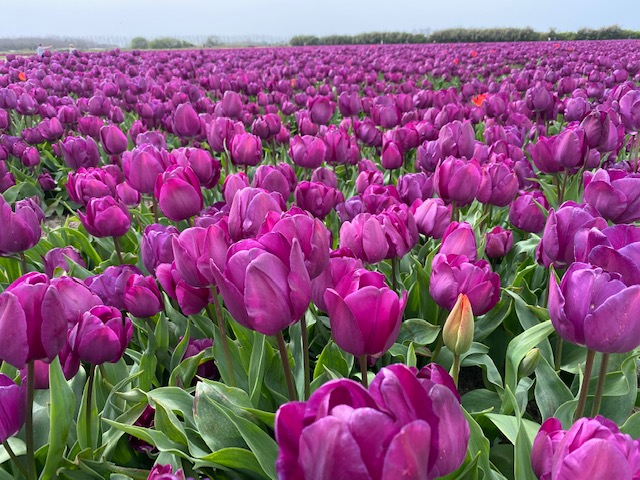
<point x="139" y="43"/>
<point x="212" y="41"/>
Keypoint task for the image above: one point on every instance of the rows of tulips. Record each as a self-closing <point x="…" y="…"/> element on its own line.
<point x="371" y="262"/>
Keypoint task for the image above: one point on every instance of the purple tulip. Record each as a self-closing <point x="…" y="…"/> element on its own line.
<point x="195" y="248"/>
<point x="271" y="179"/>
<point x="80" y="152"/>
<point x="558" y="240"/>
<point x="46" y="182"/>
<point x="338" y="145"/>
<point x="365" y="237"/>
<point x="340" y="265"/>
<point x="614" y="194"/>
<point x="178" y="192"/>
<point x="459" y="239"/>
<point x="455" y="274"/>
<point x="591" y="448"/>
<point x="206" y="168"/>
<point x="457" y="139"/>
<point x="190" y="299"/>
<point x="246" y="149"/>
<point x="317" y="198"/>
<point x="231" y="104"/>
<point x="365" y="314"/>
<point x="392" y="156"/>
<point x="156" y="245"/>
<point x="498" y="186"/>
<point x="55" y="259"/>
<point x="142" y="297"/>
<point x="12" y="407"/>
<point x="321" y="110"/>
<point x="106" y="217"/>
<point x="345" y="431"/>
<point x="265" y="289"/>
<point x="220" y="132"/>
<point x="591" y="307"/>
<point x="30" y="157"/>
<point x="498" y="242"/>
<point x="186" y="123"/>
<point x="308" y="151"/>
<point x="109" y="285"/>
<point x="75" y="298"/>
<point x="84" y="185"/>
<point x="414" y="186"/>
<point x="432" y="216"/>
<point x="20" y="229"/>
<point x="113" y="140"/>
<point x="101" y="335"/>
<point x="249" y="209"/>
<point x="630" y="111"/>
<point x="232" y="184"/>
<point x="367" y="178"/>
<point x="142" y="166"/>
<point x="525" y="211"/>
<point x="165" y="472"/>
<point x="207" y="369"/>
<point x="457" y="181"/>
<point x="32" y="320"/>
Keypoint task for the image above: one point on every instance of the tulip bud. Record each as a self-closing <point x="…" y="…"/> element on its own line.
<point x="529" y="363"/>
<point x="457" y="332"/>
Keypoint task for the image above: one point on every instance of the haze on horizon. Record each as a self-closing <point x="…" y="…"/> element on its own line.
<point x="284" y="18"/>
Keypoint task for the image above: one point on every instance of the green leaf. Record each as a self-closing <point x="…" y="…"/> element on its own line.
<point x="167" y="422"/>
<point x="418" y="331"/>
<point x="233" y="458"/>
<point x="550" y="390"/>
<point x="520" y="346"/>
<point x="331" y="358"/>
<point x="215" y="427"/>
<point x="632" y="426"/>
<point x="62" y="410"/>
<point x="257" y="366"/>
<point x="510" y="426"/>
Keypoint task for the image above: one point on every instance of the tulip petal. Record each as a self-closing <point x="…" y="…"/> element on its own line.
<point x="596" y="459"/>
<point x="613" y="327"/>
<point x="408" y="453"/>
<point x="288" y="427"/>
<point x="344" y="327"/>
<point x="13" y="331"/>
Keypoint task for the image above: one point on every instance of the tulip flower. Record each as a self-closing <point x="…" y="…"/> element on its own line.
<point x="156" y="246"/>
<point x="141" y="296"/>
<point x="142" y="166"/>
<point x="264" y="284"/>
<point x="498" y="186"/>
<point x="392" y="156"/>
<point x="220" y="132"/>
<point x="317" y="198"/>
<point x="459" y="239"/>
<point x="231" y="104"/>
<point x="414" y="186"/>
<point x="113" y="140"/>
<point x="178" y="192"/>
<point x="86" y="184"/>
<point x="365" y="237"/>
<point x="245" y="149"/>
<point x="165" y="472"/>
<point x="308" y="151"/>
<point x="109" y="285"/>
<point x="432" y="216"/>
<point x="630" y="111"/>
<point x="271" y="179"/>
<point x="457" y="139"/>
<point x="457" y="332"/>
<point x="75" y="297"/>
<point x="455" y="274"/>
<point x="614" y="194"/>
<point x="345" y="430"/>
<point x="498" y="242"/>
<point x="12" y="407"/>
<point x="56" y="259"/>
<point x="526" y="212"/>
<point x="592" y="448"/>
<point x="190" y="299"/>
<point x="338" y="145"/>
<point x="32" y="320"/>
<point x="591" y="307"/>
<point x="101" y="335"/>
<point x="186" y="123"/>
<point x="457" y="181"/>
<point x="249" y="209"/>
<point x="20" y="229"/>
<point x="106" y="217"/>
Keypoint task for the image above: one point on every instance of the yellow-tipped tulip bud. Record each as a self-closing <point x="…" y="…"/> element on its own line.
<point x="457" y="333"/>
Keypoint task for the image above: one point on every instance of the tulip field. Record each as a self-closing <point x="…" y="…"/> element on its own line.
<point x="357" y="262"/>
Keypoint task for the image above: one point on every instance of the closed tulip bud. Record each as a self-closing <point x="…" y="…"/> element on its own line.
<point x="21" y="229"/>
<point x="271" y="179"/>
<point x="326" y="176"/>
<point x="368" y="133"/>
<point x="359" y="330"/>
<point x="13" y="399"/>
<point x="498" y="242"/>
<point x="32" y="320"/>
<point x="55" y="259"/>
<point x="457" y="333"/>
<point x="365" y="237"/>
<point x="80" y="152"/>
<point x="5" y="119"/>
<point x="317" y="198"/>
<point x="220" y="131"/>
<point x="101" y="335"/>
<point x="113" y="140"/>
<point x="457" y="181"/>
<point x="249" y="209"/>
<point x="539" y="99"/>
<point x="156" y="246"/>
<point x="179" y="194"/>
<point x="231" y="104"/>
<point x="90" y="126"/>
<point x="387" y="116"/>
<point x="454" y="274"/>
<point x="321" y="110"/>
<point x="207" y="369"/>
<point x="414" y="186"/>
<point x="51" y="129"/>
<point x="46" y="182"/>
<point x="570" y="148"/>
<point x="432" y="216"/>
<point x="99" y="106"/>
<point x="142" y="297"/>
<point x="498" y="186"/>
<point x="246" y="149"/>
<point x="308" y="151"/>
<point x="575" y="109"/>
<point x="30" y="157"/>
<point x="206" y="168"/>
<point x="629" y="111"/>
<point x="392" y="156"/>
<point x="337" y="143"/>
<point x="190" y="299"/>
<point x="106" y="217"/>
<point x="127" y="195"/>
<point x="232" y="184"/>
<point x="186" y="123"/>
<point x="459" y="239"/>
<point x="349" y="104"/>
<point x="529" y="363"/>
<point x="527" y="211"/>
<point x="457" y="139"/>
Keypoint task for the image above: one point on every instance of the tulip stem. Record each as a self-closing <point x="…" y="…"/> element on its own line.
<point x="602" y="378"/>
<point x="154" y="207"/>
<point x="364" y="371"/>
<point x="584" y="389"/>
<point x="285" y="366"/>
<point x="15" y="460"/>
<point x="394" y="273"/>
<point x="223" y="334"/>
<point x="557" y="354"/>
<point x="305" y="358"/>
<point x="31" y="461"/>
<point x="92" y="371"/>
<point x="23" y="263"/>
<point x="116" y="244"/>
<point x="455" y="369"/>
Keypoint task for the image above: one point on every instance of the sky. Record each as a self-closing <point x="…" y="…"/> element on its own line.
<point x="284" y="18"/>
